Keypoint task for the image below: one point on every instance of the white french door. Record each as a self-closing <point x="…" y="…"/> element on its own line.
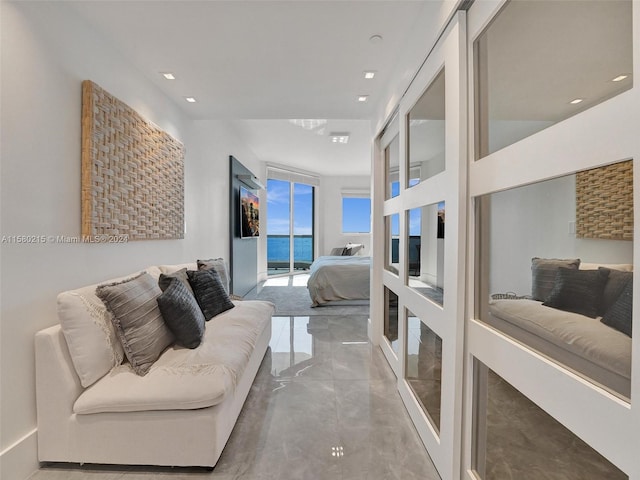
<point x="420" y="230"/>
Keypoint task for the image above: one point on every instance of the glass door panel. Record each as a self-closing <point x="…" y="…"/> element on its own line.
<point x="425" y="250"/>
<point x="289" y="226"/>
<point x="302" y="226"/>
<point x="392" y="168"/>
<point x="514" y="438"/>
<point x="426" y="134"/>
<point x="391" y="318"/>
<point x="424" y="366"/>
<point x="278" y="226"/>
<point x="392" y="243"/>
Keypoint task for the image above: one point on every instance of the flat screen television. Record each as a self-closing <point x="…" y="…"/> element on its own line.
<point x="249" y="214"/>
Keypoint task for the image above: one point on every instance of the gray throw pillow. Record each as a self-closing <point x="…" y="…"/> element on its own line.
<point x="220" y="266"/>
<point x="337" y="252"/>
<point x="137" y="319"/>
<point x="181" y="313"/>
<point x="165" y="279"/>
<point x="209" y="292"/>
<point x="615" y="285"/>
<point x="543" y="274"/>
<point x="578" y="291"/>
<point x="620" y="315"/>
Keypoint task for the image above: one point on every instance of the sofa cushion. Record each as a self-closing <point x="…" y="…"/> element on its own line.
<point x="543" y="274"/>
<point x="620" y="315"/>
<point x="137" y="319"/>
<point x="86" y="324"/>
<point x="585" y="337"/>
<point x="578" y="291"/>
<point x="220" y="266"/>
<point x="183" y="379"/>
<point x="209" y="292"/>
<point x="181" y="313"/>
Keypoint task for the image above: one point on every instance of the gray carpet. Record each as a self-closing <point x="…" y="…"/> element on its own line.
<point x="295" y="300"/>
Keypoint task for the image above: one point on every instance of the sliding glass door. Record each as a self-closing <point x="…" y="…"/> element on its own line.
<point x="302" y="226"/>
<point x="290" y="213"/>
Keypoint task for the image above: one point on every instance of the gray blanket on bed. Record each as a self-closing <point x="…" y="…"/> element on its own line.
<point x="339" y="278"/>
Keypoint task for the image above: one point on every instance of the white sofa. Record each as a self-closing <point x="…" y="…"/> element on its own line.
<point x="583" y="344"/>
<point x="181" y="413"/>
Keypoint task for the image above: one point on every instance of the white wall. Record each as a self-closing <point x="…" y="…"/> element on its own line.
<point x="533" y="221"/>
<point x="330" y="218"/>
<point x="46" y="52"/>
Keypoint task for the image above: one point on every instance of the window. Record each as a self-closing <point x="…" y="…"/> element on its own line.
<point x="356" y="213"/>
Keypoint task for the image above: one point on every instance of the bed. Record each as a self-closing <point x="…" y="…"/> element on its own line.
<point x="337" y="278"/>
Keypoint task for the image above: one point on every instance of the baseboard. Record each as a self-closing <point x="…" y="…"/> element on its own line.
<point x="20" y="460"/>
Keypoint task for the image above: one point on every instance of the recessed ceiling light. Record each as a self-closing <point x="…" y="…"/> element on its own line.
<point x="190" y="99"/>
<point x="169" y="76"/>
<point x="375" y="38"/>
<point x="339" y="137"/>
<point x="576" y="101"/>
<point x="369" y="74"/>
<point x="363" y="98"/>
<point x="619" y="78"/>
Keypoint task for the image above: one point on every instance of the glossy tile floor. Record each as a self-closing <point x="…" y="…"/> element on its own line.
<point x="323" y="406"/>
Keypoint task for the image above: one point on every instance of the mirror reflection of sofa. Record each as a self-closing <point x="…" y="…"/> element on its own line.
<point x="578" y="314"/>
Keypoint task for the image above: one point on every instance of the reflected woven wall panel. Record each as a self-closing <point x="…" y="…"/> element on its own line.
<point x="604" y="202"/>
<point x="132" y="172"/>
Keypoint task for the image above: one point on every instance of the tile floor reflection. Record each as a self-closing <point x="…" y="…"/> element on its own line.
<point x="324" y="405"/>
<point x="523" y="442"/>
<point x="424" y="367"/>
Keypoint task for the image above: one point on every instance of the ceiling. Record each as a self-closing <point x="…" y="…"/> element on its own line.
<point x="267" y="62"/>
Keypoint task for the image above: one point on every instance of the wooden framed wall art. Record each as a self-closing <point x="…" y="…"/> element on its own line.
<point x="604" y="202"/>
<point x="132" y="172"/>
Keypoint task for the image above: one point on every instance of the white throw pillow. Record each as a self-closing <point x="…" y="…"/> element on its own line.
<point x="88" y="331"/>
<point x="623" y="267"/>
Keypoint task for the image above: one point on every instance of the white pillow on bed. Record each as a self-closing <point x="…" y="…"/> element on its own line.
<point x="353" y="248"/>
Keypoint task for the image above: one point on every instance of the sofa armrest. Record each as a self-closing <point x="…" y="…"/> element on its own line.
<point x="57" y="388"/>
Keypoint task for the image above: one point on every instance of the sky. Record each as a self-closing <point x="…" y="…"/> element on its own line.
<point x="356" y="215"/>
<point x="278" y="201"/>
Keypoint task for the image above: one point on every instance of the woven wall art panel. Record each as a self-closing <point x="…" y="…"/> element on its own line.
<point x="132" y="172"/>
<point x="604" y="202"/>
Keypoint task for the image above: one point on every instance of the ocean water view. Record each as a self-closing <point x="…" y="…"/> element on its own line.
<point x="278" y="248"/>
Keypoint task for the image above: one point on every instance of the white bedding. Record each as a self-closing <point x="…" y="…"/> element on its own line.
<point x="335" y="278"/>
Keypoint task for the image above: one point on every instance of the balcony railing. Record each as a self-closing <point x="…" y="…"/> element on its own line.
<point x="278" y="251"/>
